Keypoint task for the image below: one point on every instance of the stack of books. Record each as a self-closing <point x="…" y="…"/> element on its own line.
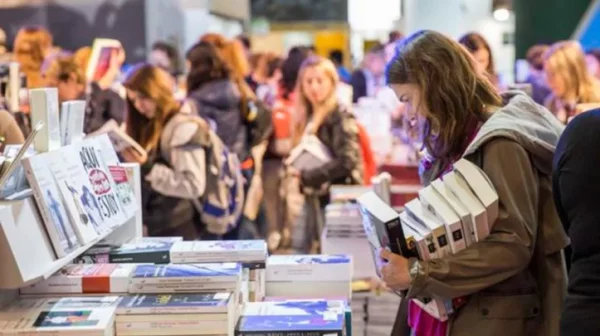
<point x="251" y="254"/>
<point x="177" y="314"/>
<point x="154" y="250"/>
<point x="94" y="316"/>
<point x="309" y="276"/>
<point x="448" y="216"/>
<point x="344" y="234"/>
<point x="293" y="317"/>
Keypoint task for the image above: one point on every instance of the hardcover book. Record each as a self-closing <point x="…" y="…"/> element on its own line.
<point x="439" y="207"/>
<point x="427" y="220"/>
<point x="311" y="268"/>
<point x="423" y="235"/>
<point x="156" y="252"/>
<point x="459" y="188"/>
<point x="44" y="108"/>
<point x="186" y="273"/>
<point x="301" y="317"/>
<point x="383" y="228"/>
<point x="202" y="303"/>
<point x="460" y="210"/>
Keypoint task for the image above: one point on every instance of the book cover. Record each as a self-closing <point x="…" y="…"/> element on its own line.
<point x="175" y="303"/>
<point x="48" y="197"/>
<point x="142" y="240"/>
<point x="383" y="227"/>
<point x="311" y="268"/>
<point x="84" y="228"/>
<point x="460" y="210"/>
<point x="87" y="302"/>
<point x="439" y="207"/>
<point x="71" y="121"/>
<point x="102" y="51"/>
<point x="427" y="220"/>
<point x="69" y="319"/>
<point x="44" y="108"/>
<point x="186" y="273"/>
<point x="157" y="252"/>
<point x="119" y="139"/>
<point x="459" y="188"/>
<point x="245" y="251"/>
<point x="481" y="186"/>
<point x="313" y="317"/>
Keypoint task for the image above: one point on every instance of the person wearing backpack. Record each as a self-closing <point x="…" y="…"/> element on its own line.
<point x="192" y="185"/>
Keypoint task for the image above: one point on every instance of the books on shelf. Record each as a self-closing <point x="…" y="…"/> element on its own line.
<point x="85" y="279"/>
<point x="44" y="108"/>
<point x="143" y="251"/>
<point x="71" y="121"/>
<point x="293" y="317"/>
<point x="242" y="251"/>
<point x="156" y="304"/>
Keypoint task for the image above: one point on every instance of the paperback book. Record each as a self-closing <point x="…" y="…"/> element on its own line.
<point x="186" y="273"/>
<point x="202" y="303"/>
<point x="156" y="252"/>
<point x="242" y="251"/>
<point x="312" y="268"/>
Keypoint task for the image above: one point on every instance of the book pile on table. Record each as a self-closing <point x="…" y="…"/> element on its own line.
<point x="294" y="317"/>
<point x="344" y="234"/>
<point x="450" y="214"/>
<point x="177" y="314"/>
<point x="252" y="254"/>
<point x="90" y="316"/>
<point x="309" y="276"/>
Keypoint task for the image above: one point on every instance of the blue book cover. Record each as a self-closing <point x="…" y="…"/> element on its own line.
<point x="222" y="270"/>
<point x="292" y="316"/>
<point x="309" y="259"/>
<point x="176" y="301"/>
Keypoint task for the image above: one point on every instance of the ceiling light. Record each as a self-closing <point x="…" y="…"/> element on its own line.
<point x="501" y="14"/>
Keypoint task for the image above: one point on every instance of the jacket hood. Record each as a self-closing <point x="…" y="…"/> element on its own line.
<point x="221" y="94"/>
<point x="527" y="123"/>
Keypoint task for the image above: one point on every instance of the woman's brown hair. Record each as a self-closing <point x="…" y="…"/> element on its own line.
<point x="453" y="92"/>
<point x="31" y="46"/>
<point x="475" y="42"/>
<point x="153" y="83"/>
<point x="63" y="69"/>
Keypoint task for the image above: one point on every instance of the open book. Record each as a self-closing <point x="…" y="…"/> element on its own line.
<point x="119" y="138"/>
<point x="99" y="63"/>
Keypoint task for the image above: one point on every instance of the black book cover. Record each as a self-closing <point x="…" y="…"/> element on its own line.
<point x="142" y="252"/>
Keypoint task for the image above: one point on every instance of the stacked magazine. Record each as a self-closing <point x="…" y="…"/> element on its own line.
<point x="450" y="214"/>
<point x="309" y="276"/>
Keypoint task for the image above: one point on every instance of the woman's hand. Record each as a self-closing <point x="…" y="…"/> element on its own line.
<point x="132" y="156"/>
<point x="395" y="272"/>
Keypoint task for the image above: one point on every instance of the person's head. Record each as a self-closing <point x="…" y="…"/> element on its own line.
<point x="150" y="101"/>
<point x="592" y="58"/>
<point x="394" y="36"/>
<point x="205" y="66"/>
<point x="535" y="57"/>
<point x="374" y="60"/>
<point x="246" y="43"/>
<point x="291" y="68"/>
<point x="66" y="75"/>
<point x="481" y="51"/>
<point x="32" y="45"/>
<point x="232" y="53"/>
<point x="337" y="57"/>
<point x="165" y="56"/>
<point x="82" y="57"/>
<point x="317" y="97"/>
<point x="567" y="74"/>
<point x="439" y="83"/>
<point x="274" y="69"/>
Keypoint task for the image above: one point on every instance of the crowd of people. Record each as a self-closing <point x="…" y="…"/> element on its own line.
<point x="256" y="108"/>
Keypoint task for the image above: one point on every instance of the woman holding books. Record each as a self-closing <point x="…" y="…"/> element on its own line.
<point x="174" y="171"/>
<point x="513" y="281"/>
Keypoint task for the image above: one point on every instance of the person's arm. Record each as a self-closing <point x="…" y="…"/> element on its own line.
<point x="10" y="130"/>
<point x="186" y="178"/>
<point x="345" y="154"/>
<point x="509" y="247"/>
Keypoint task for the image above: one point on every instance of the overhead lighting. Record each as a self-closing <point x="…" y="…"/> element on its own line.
<point x="501" y="14"/>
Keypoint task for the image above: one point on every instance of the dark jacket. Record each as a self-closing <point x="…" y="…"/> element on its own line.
<point x="576" y="191"/>
<point x="515" y="278"/>
<point x="359" y="85"/>
<point x="339" y="133"/>
<point x="103" y="105"/>
<point x="219" y="102"/>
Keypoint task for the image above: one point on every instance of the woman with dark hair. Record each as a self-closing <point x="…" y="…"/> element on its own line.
<point x="216" y="96"/>
<point x="174" y="169"/>
<point x="480" y="49"/>
<point x="513" y="281"/>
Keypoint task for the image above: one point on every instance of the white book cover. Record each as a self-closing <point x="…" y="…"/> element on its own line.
<point x="201" y="303"/>
<point x="437" y="205"/>
<point x="83" y="321"/>
<point x="186" y="273"/>
<point x="219" y="251"/>
<point x="311" y="268"/>
<point x="48" y="197"/>
<point x="428" y="221"/>
<point x="460" y="210"/>
<point x="482" y="187"/>
<point x="311" y="153"/>
<point x="44" y="107"/>
<point x="459" y="187"/>
<point x="85" y="230"/>
<point x="71" y="121"/>
<point x="420" y="242"/>
<point x="118" y="138"/>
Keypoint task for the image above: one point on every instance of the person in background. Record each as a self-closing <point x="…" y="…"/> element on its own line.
<point x="319" y="113"/>
<point x="576" y="189"/>
<point x="32" y="45"/>
<point x="569" y="79"/>
<point x="513" y="281"/>
<point x="10" y="132"/>
<point x="536" y="77"/>
<point x="367" y="80"/>
<point x="173" y="168"/>
<point x="480" y="49"/>
<point x="267" y="92"/>
<point x="65" y="74"/>
<point x="246" y="43"/>
<point x="104" y="103"/>
<point x="259" y="65"/>
<point x="337" y="57"/>
<point x="390" y="48"/>
<point x="592" y="58"/>
<point x="165" y="56"/>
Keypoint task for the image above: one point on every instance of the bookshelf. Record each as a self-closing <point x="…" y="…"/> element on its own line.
<point x="25" y="249"/>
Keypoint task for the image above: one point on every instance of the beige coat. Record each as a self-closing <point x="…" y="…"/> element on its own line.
<point x="515" y="279"/>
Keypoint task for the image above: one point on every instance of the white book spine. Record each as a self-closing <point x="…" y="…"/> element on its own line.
<point x="183" y="281"/>
<point x="181" y="288"/>
<point x="309" y="272"/>
<point x="14" y="86"/>
<point x="71" y="121"/>
<point x="44" y="107"/>
<point x="55" y="285"/>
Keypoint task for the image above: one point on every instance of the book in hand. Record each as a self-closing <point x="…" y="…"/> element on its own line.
<point x="439" y="207"/>
<point x="102" y="51"/>
<point x="424" y="218"/>
<point x="119" y="138"/>
<point x="383" y="228"/>
<point x="461" y="211"/>
<point x="310" y="153"/>
<point x="292" y="317"/>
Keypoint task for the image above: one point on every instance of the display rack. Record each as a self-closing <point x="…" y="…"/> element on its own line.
<point x="26" y="253"/>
